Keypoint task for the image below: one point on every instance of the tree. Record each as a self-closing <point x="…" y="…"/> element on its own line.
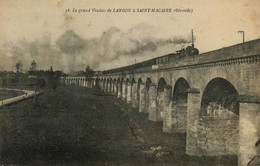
<point x="89" y="72"/>
<point x="33" y="66"/>
<point x="19" y="66"/>
<point x="54" y="78"/>
<point x="51" y="69"/>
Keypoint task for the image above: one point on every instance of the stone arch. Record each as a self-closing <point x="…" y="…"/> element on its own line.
<point x="179" y="106"/>
<point x="121" y="87"/>
<point x="160" y="96"/>
<point x="89" y="82"/>
<point x="126" y="90"/>
<point x="79" y="82"/>
<point x="132" y="81"/>
<point x="92" y="82"/>
<point x="133" y="92"/>
<point x="180" y="91"/>
<point x="114" y="88"/>
<point x="221" y="92"/>
<point x="97" y="80"/>
<point x="148" y="82"/>
<point x="139" y="82"/>
<point x="75" y="81"/>
<point x="109" y="84"/>
<point x="219" y="112"/>
<point x="100" y="83"/>
<point x="104" y="84"/>
<point x="85" y="82"/>
<point x="161" y="84"/>
<point x="118" y="87"/>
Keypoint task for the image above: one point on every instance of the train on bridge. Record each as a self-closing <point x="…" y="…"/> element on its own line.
<point x="153" y="63"/>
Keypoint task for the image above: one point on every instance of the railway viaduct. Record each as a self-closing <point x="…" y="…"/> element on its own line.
<point x="213" y="97"/>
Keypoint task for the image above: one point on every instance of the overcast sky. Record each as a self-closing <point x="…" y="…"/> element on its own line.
<point x="215" y="23"/>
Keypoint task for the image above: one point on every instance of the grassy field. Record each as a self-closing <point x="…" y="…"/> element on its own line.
<point x="80" y="126"/>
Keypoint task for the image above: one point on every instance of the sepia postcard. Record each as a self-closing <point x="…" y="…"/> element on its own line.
<point x="140" y="82"/>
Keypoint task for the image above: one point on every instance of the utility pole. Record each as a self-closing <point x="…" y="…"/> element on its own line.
<point x="243" y="33"/>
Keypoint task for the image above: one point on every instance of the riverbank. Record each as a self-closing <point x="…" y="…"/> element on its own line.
<point x="19" y="94"/>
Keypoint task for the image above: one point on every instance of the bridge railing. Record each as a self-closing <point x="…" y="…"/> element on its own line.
<point x="241" y="60"/>
<point x="239" y="50"/>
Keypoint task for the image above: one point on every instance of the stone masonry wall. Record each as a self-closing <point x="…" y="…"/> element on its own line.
<point x="218" y="135"/>
<point x="179" y="117"/>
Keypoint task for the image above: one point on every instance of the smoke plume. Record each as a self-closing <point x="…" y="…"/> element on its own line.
<point x="114" y="48"/>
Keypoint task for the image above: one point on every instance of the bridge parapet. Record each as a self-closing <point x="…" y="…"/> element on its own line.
<point x="224" y="62"/>
<point x="235" y="51"/>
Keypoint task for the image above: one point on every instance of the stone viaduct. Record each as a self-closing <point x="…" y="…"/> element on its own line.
<point x="212" y="97"/>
